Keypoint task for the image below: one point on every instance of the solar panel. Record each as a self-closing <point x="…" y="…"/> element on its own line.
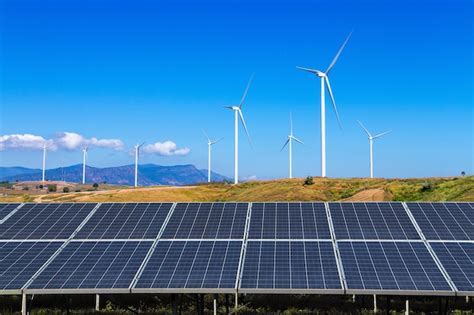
<point x="289" y="221"/>
<point x="45" y="221"/>
<point x="125" y="221"/>
<point x="376" y="221"/>
<point x="207" y="221"/>
<point x="191" y="265"/>
<point x="391" y="266"/>
<point x="287" y="265"/>
<point x="19" y="261"/>
<point x="93" y="265"/>
<point x="444" y="221"/>
<point x="6" y="208"/>
<point x="458" y="261"/>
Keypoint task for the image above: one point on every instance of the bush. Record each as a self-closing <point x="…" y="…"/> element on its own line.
<point x="426" y="187"/>
<point x="95" y="185"/>
<point x="77" y="190"/>
<point x="26" y="188"/>
<point x="41" y="186"/>
<point x="65" y="189"/>
<point x="52" y="188"/>
<point x="308" y="181"/>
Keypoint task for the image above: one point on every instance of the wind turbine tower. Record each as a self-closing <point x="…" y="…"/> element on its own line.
<point x="137" y="152"/>
<point x="238" y="113"/>
<point x="371" y="145"/>
<point x="325" y="82"/>
<point x="289" y="142"/>
<point x="44" y="164"/>
<point x="84" y="156"/>
<point x="210" y="143"/>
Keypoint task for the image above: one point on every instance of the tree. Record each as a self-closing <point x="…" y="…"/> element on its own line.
<point x="52" y="188"/>
<point x="463" y="173"/>
<point x="95" y="185"/>
<point x="65" y="189"/>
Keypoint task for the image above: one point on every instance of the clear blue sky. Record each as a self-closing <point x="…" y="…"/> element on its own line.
<point x="162" y="70"/>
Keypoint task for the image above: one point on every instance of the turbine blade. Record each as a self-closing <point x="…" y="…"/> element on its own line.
<point x="245" y="126"/>
<point x="286" y="143"/>
<point x="214" y="142"/>
<point x="204" y="132"/>
<point x="297" y="140"/>
<point x="228" y="107"/>
<point x="381" y="134"/>
<point x="368" y="133"/>
<point x="291" y="125"/>
<point x="333" y="101"/>
<point x="313" y="71"/>
<point x="246" y="91"/>
<point x="338" y="53"/>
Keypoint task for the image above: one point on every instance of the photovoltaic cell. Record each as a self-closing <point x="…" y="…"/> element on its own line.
<point x="444" y="221"/>
<point x="458" y="261"/>
<point x="45" y="221"/>
<point x="19" y="261"/>
<point x="207" y="221"/>
<point x="397" y="266"/>
<point x="93" y="265"/>
<point x="192" y="265"/>
<point x="289" y="221"/>
<point x="125" y="221"/>
<point x="290" y="265"/>
<point x="376" y="221"/>
<point x="6" y="208"/>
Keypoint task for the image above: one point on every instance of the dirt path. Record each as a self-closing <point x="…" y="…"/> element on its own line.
<point x="377" y="194"/>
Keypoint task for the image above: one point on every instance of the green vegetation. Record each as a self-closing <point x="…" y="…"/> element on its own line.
<point x="65" y="189"/>
<point x="52" y="188"/>
<point x="309" y="181"/>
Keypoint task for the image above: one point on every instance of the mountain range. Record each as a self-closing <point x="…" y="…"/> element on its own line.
<point x="148" y="174"/>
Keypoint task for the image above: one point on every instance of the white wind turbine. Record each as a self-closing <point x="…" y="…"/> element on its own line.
<point x="371" y="144"/>
<point x="238" y="113"/>
<point x="137" y="152"/>
<point x="210" y="143"/>
<point x="289" y="142"/>
<point x="44" y="163"/>
<point x="325" y="81"/>
<point x="84" y="156"/>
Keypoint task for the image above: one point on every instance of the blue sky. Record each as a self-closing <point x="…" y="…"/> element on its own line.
<point x="162" y="70"/>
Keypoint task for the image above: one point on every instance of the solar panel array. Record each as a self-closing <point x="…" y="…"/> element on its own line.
<point x="278" y="247"/>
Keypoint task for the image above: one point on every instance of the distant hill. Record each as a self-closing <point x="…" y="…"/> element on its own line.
<point x="148" y="174"/>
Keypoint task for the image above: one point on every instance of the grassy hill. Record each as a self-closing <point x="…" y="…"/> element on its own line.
<point x="329" y="189"/>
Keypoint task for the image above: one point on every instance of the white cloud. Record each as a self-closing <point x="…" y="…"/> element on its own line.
<point x="64" y="140"/>
<point x="72" y="141"/>
<point x="250" y="178"/>
<point x="24" y="141"/>
<point x="166" y="148"/>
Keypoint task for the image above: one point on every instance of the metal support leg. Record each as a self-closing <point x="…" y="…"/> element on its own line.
<point x="407" y="307"/>
<point x="236" y="300"/>
<point x="227" y="304"/>
<point x="353" y="298"/>
<point x="23" y="304"/>
<point x="375" y="304"/>
<point x="215" y="304"/>
<point x="97" y="302"/>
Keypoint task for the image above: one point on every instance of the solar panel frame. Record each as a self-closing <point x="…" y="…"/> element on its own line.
<point x="45" y="221"/>
<point x="444" y="221"/>
<point x="169" y="256"/>
<point x="276" y="262"/>
<point x="95" y="267"/>
<point x="369" y="268"/>
<point x="21" y="260"/>
<point x="142" y="221"/>
<point x="451" y="256"/>
<point x="6" y="209"/>
<point x="372" y="221"/>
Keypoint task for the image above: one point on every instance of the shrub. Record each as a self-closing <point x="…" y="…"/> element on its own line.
<point x="426" y="187"/>
<point x="41" y="186"/>
<point x="95" y="185"/>
<point x="77" y="190"/>
<point x="463" y="173"/>
<point x="26" y="188"/>
<point x="308" y="181"/>
<point x="65" y="189"/>
<point x="52" y="188"/>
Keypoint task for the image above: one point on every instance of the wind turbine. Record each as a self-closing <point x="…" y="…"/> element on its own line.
<point x="238" y="113"/>
<point x="137" y="152"/>
<point x="209" y="145"/>
<point x="371" y="144"/>
<point x="84" y="155"/>
<point x="325" y="82"/>
<point x="44" y="163"/>
<point x="289" y="142"/>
